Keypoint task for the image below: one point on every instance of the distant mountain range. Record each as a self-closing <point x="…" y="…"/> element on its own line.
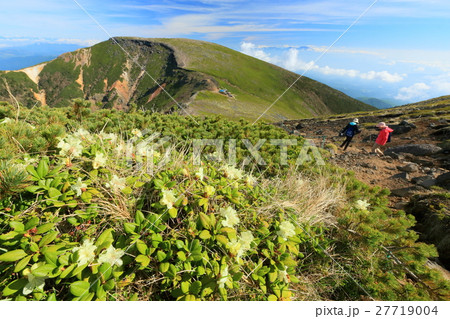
<point x="203" y="77"/>
<point x="380" y="103"/>
<point x="20" y="57"/>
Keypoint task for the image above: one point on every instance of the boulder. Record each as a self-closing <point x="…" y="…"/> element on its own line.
<point x="425" y="181"/>
<point x="443" y="180"/>
<point x="403" y="127"/>
<point x="445" y="131"/>
<point x="433" y="222"/>
<point x="407" y="191"/>
<point x="403" y="175"/>
<point x="410" y="168"/>
<point x="414" y="149"/>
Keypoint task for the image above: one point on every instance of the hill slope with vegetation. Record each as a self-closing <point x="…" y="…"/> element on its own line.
<point x="107" y="205"/>
<point x="125" y="72"/>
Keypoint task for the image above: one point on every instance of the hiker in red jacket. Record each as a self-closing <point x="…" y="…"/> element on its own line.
<point x="382" y="138"/>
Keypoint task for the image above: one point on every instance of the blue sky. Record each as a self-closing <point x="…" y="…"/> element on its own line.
<point x="399" y="49"/>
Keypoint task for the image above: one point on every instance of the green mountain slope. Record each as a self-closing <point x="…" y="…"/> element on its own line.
<point x="152" y="73"/>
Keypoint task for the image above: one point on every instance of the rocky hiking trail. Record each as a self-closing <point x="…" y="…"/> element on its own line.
<point x="415" y="167"/>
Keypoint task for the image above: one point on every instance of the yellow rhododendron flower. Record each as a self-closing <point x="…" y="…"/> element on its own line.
<point x="209" y="190"/>
<point x="200" y="174"/>
<point x="286" y="230"/>
<point x="233" y="172"/>
<point x="34" y="282"/>
<point x="79" y="187"/>
<point x="362" y="204"/>
<point x="111" y="256"/>
<point x="70" y="146"/>
<point x="230" y="215"/>
<point x="168" y="198"/>
<point x="116" y="183"/>
<point x="99" y="161"/>
<point x="86" y="252"/>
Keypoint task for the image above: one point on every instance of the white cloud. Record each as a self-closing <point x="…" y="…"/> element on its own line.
<point x="413" y="92"/>
<point x="292" y="61"/>
<point x="18" y="41"/>
<point x="384" y="76"/>
<point x="252" y="50"/>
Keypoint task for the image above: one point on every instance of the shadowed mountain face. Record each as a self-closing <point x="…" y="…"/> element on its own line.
<point x="154" y="73"/>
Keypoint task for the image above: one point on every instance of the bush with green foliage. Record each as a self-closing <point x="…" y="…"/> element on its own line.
<point x="98" y="213"/>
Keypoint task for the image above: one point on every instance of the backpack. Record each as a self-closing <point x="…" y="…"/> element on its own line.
<point x="349" y="132"/>
<point x="389" y="137"/>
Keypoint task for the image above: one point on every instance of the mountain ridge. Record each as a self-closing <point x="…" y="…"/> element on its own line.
<point x="121" y="72"/>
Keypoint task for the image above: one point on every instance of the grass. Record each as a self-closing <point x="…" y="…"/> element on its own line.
<point x="261" y="83"/>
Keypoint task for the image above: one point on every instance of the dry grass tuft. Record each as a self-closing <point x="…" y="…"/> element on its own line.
<point x="312" y="200"/>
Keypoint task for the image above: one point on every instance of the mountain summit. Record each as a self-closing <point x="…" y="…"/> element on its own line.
<point x="203" y="77"/>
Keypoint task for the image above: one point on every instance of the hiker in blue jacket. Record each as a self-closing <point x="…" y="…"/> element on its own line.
<point x="349" y="131"/>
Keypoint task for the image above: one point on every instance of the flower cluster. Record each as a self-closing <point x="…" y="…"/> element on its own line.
<point x="79" y="187"/>
<point x="231" y="217"/>
<point x="232" y="172"/>
<point x="116" y="183"/>
<point x="168" y="198"/>
<point x="361" y="204"/>
<point x="241" y="245"/>
<point x="286" y="230"/>
<point x="70" y="146"/>
<point x="86" y="254"/>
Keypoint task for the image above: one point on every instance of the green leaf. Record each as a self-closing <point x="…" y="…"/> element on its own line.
<point x="185" y="287"/>
<point x="43" y="270"/>
<point x="42" y="168"/>
<point x="51" y="297"/>
<point x="22" y="264"/>
<point x="47" y="239"/>
<point x="222" y="239"/>
<point x="13" y="255"/>
<point x="181" y="256"/>
<point x="158" y="183"/>
<point x="196" y="256"/>
<point x="67" y="271"/>
<point x="109" y="284"/>
<point x="195" y="287"/>
<point x="17" y="226"/>
<point x="32" y="223"/>
<point x="86" y="197"/>
<point x="129" y="228"/>
<point x="173" y="212"/>
<point x="107" y="234"/>
<point x="78" y="270"/>
<point x="164" y="267"/>
<point x="105" y="271"/>
<point x="101" y="293"/>
<point x="204" y="234"/>
<point x="51" y="257"/>
<point x="272" y="298"/>
<point x="34" y="247"/>
<point x="160" y="255"/>
<point x="205" y="221"/>
<point x="44" y="228"/>
<point x="30" y="169"/>
<point x="87" y="297"/>
<point x="14" y="286"/>
<point x="54" y="193"/>
<point x="139" y="217"/>
<point x="8" y="235"/>
<point x="143" y="260"/>
<point x="73" y="221"/>
<point x="141" y="247"/>
<point x="79" y="288"/>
